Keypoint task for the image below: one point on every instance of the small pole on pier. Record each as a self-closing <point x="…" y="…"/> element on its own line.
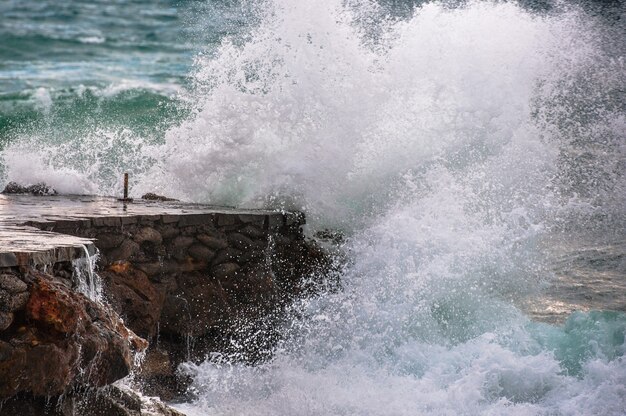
<point x="126" y="198"/>
<point x="125" y="185"/>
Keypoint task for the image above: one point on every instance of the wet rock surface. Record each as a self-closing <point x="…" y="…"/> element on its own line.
<point x="150" y="196"/>
<point x="57" y="338"/>
<point x="38" y="189"/>
<point x="109" y="401"/>
<point x="191" y="282"/>
<point x="190" y="286"/>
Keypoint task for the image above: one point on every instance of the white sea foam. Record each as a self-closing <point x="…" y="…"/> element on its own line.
<point x="89" y="164"/>
<point x="122" y="85"/>
<point x="29" y="168"/>
<point x="92" y="39"/>
<point x="308" y="114"/>
<point x="42" y="99"/>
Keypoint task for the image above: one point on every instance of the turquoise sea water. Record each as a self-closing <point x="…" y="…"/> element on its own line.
<point x="473" y="153"/>
<point x="70" y="67"/>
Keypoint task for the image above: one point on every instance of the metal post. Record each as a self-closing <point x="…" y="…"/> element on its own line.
<point x="126" y="198"/>
<point x="126" y="185"/>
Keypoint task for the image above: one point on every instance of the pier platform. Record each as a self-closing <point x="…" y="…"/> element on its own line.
<point x="38" y="230"/>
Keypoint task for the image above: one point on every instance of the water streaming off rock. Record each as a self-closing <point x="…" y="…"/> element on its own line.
<point x="85" y="277"/>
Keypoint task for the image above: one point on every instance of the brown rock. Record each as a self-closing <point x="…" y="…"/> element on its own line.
<point x="69" y="341"/>
<point x="6" y="350"/>
<point x="6" y="319"/>
<point x="131" y="292"/>
<point x="23" y="405"/>
<point x="226" y="219"/>
<point x="178" y="247"/>
<point x="189" y="264"/>
<point x="156" y="363"/>
<point x="192" y="279"/>
<point x="240" y="241"/>
<point x="151" y="269"/>
<point x="137" y="343"/>
<point x="225" y="271"/>
<point x="12" y="284"/>
<point x="168" y="232"/>
<point x="106" y="241"/>
<point x="252" y="231"/>
<point x="295" y="219"/>
<point x="171" y="268"/>
<point x="182" y="242"/>
<point x="5" y="300"/>
<point x="255" y="287"/>
<point x="175" y="315"/>
<point x="120" y="266"/>
<point x="212" y="242"/>
<point x="251" y="256"/>
<point x="125" y="251"/>
<point x="227" y="255"/>
<point x="19" y="301"/>
<point x="150" y="196"/>
<point x="148" y="234"/>
<point x="53" y="307"/>
<point x="109" y="401"/>
<point x="200" y="252"/>
<point x="195" y="310"/>
<point x="252" y="218"/>
<point x="114" y="401"/>
<point x="39" y="189"/>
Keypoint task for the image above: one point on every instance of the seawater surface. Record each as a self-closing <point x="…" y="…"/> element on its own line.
<point x="473" y="154"/>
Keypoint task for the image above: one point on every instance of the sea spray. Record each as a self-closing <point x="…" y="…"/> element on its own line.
<point x="284" y="118"/>
<point x="442" y="156"/>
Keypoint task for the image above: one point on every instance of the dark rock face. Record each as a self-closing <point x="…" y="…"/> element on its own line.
<point x="58" y="339"/>
<point x="195" y="310"/>
<point x="39" y="189"/>
<point x="129" y="290"/>
<point x="189" y="284"/>
<point x="13" y="297"/>
<point x="211" y="273"/>
<point x="154" y="197"/>
<point x="109" y="401"/>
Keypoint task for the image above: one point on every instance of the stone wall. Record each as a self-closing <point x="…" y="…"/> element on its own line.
<point x="191" y="284"/>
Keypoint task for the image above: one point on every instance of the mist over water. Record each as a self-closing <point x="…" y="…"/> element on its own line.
<point x="454" y="146"/>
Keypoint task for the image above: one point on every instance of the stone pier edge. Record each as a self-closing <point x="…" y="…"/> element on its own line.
<point x="69" y="247"/>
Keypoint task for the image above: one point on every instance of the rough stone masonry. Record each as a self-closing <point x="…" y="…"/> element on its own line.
<point x="188" y="279"/>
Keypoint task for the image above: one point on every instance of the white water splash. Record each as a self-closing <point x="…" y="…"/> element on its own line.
<point x="85" y="277"/>
<point x="308" y="115"/>
<point x="437" y="150"/>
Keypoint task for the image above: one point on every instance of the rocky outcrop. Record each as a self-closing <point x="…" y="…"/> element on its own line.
<point x="189" y="283"/>
<point x="154" y="197"/>
<point x="200" y="283"/>
<point x="39" y="189"/>
<point x="55" y="339"/>
<point x="112" y="400"/>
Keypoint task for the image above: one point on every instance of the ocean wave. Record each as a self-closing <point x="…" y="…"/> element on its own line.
<point x="75" y="135"/>
<point x="92" y="39"/>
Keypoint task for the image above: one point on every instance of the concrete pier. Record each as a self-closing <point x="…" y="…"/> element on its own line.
<point x="172" y="271"/>
<point x="41" y="230"/>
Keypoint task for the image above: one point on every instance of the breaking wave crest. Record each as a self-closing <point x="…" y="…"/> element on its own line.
<point x="450" y="147"/>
